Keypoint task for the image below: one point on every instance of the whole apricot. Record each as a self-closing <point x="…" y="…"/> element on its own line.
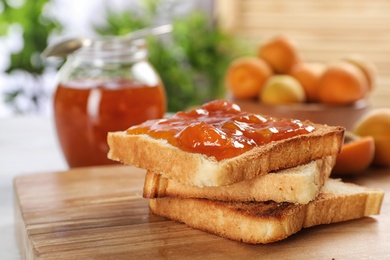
<point x="368" y="68"/>
<point x="376" y="123"/>
<point x="246" y="76"/>
<point x="282" y="89"/>
<point x="308" y="74"/>
<point x="342" y="84"/>
<point x="280" y="53"/>
<point x="356" y="155"/>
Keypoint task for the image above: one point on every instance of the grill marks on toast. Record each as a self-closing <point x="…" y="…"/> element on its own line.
<point x="266" y="209"/>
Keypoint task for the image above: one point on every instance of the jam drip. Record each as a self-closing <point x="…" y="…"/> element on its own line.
<point x="220" y="129"/>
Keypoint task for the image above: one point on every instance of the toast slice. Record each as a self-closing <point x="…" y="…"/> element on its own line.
<point x="266" y="222"/>
<point x="197" y="169"/>
<point x="299" y="184"/>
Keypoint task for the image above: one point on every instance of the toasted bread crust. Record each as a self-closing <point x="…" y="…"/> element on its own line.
<point x="300" y="184"/>
<point x="199" y="170"/>
<point x="266" y="222"/>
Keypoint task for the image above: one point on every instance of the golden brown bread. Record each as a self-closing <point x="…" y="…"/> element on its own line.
<point x="199" y="170"/>
<point x="299" y="184"/>
<point x="266" y="222"/>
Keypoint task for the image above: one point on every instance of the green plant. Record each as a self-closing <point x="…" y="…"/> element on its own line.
<point x="36" y="28"/>
<point x="191" y="60"/>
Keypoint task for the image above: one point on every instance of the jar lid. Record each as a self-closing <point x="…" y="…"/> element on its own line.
<point x="114" y="49"/>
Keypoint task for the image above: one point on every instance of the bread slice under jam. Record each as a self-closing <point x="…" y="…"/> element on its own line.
<point x="266" y="222"/>
<point x="299" y="184"/>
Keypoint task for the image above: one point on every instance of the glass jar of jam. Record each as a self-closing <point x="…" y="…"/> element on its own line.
<point x="105" y="87"/>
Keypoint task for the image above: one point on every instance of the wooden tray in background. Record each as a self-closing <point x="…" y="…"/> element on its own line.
<point x="96" y="213"/>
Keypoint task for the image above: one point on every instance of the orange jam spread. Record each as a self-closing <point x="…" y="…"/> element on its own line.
<point x="220" y="129"/>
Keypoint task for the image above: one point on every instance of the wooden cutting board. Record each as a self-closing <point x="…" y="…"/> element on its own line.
<point x="100" y="213"/>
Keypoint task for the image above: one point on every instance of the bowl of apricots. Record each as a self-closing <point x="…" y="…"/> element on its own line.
<point x="277" y="81"/>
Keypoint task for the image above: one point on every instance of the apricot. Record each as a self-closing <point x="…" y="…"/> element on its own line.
<point x="376" y="123"/>
<point x="308" y="74"/>
<point x="356" y="155"/>
<point x="280" y="52"/>
<point x="368" y="68"/>
<point x="342" y="84"/>
<point x="246" y="76"/>
<point x="282" y="89"/>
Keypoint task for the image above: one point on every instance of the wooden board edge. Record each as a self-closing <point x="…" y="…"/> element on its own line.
<point x="22" y="237"/>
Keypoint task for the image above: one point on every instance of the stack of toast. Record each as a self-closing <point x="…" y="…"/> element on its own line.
<point x="261" y="195"/>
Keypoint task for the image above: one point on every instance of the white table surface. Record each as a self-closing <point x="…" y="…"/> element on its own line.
<point x="27" y="145"/>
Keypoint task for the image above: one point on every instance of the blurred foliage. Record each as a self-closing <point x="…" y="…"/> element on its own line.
<point x="36" y="28"/>
<point x="191" y="60"/>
